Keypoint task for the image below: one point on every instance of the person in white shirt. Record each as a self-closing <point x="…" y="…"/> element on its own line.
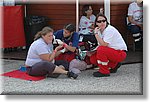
<point x="135" y="18"/>
<point x="86" y="25"/>
<point x="111" y="50"/>
<point x="40" y="58"/>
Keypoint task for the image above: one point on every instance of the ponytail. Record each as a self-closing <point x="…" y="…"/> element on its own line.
<point x="43" y="32"/>
<point x="38" y="35"/>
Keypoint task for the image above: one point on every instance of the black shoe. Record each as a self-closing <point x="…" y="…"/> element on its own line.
<point x="72" y="75"/>
<point x="54" y="75"/>
<point x="98" y="74"/>
<point x="114" y="70"/>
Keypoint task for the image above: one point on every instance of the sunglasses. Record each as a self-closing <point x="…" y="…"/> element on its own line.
<point x="100" y="21"/>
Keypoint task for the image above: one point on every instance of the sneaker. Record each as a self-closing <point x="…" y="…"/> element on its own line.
<point x="114" y="70"/>
<point x="98" y="74"/>
<point x="72" y="75"/>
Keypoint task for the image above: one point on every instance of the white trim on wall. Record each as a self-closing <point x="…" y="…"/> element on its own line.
<point x="107" y="9"/>
<point x="77" y="15"/>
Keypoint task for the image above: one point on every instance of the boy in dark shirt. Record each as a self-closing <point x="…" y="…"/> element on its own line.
<point x="70" y="39"/>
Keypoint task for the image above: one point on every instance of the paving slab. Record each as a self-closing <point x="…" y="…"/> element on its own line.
<point x="127" y="81"/>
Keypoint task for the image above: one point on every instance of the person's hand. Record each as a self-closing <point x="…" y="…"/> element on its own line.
<point x="59" y="41"/>
<point x="58" y="48"/>
<point x="63" y="50"/>
<point x="92" y="26"/>
<point x="96" y="30"/>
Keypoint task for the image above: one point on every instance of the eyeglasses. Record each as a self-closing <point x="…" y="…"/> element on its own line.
<point x="100" y="21"/>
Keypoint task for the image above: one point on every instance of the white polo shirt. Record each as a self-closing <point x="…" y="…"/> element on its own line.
<point x="113" y="38"/>
<point x="37" y="48"/>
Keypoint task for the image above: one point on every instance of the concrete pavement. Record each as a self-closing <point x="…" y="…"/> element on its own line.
<point x="128" y="80"/>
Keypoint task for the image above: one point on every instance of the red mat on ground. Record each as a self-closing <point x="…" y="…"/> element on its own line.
<point x="22" y="75"/>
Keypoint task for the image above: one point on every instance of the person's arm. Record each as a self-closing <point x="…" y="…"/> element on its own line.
<point x="83" y="22"/>
<point x="99" y="39"/>
<point x="92" y="26"/>
<point x="50" y="57"/>
<point x="130" y="19"/>
<point x="75" y="41"/>
<point x="69" y="48"/>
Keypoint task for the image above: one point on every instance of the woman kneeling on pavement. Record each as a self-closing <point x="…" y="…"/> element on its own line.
<point x="112" y="48"/>
<point x="40" y="57"/>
